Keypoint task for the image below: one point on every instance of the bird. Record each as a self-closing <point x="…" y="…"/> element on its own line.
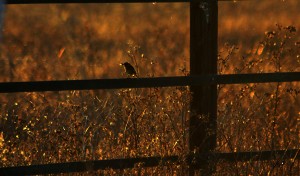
<point x="129" y="69"/>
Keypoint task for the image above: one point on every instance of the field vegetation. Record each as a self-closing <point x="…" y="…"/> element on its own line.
<point x="60" y="42"/>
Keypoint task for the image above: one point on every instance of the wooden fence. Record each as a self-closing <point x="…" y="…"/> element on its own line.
<point x="203" y="81"/>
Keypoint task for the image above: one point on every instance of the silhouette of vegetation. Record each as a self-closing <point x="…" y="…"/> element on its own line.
<point x="54" y="42"/>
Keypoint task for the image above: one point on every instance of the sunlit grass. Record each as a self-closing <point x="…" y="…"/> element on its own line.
<point x="56" y="43"/>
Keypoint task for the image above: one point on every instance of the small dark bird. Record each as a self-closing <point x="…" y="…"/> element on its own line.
<point x="129" y="69"/>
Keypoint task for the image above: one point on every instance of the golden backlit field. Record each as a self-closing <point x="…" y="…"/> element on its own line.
<point x="59" y="42"/>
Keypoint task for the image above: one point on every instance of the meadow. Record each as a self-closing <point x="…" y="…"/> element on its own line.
<point x="67" y="42"/>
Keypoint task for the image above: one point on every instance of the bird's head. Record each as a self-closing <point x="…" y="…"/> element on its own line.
<point x="124" y="64"/>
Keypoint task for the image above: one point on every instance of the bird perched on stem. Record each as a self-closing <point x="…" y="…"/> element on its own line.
<point x="129" y="69"/>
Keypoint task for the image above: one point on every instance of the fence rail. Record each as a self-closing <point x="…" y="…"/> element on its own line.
<point x="69" y="167"/>
<point x="39" y="86"/>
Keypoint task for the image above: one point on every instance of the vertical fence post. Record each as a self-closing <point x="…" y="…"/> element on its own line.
<point x="203" y="61"/>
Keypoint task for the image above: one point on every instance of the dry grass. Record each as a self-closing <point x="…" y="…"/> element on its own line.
<point x="60" y="42"/>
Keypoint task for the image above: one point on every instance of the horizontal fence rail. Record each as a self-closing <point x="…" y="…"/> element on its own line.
<point x="279" y="155"/>
<point x="101" y="1"/>
<point x="40" y="86"/>
<point x="87" y="166"/>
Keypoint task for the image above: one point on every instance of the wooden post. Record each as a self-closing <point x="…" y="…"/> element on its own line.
<point x="203" y="61"/>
